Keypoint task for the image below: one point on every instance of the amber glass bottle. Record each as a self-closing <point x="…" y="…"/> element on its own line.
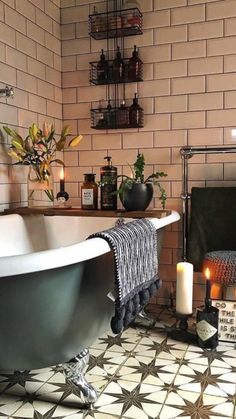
<point x="89" y="192"/>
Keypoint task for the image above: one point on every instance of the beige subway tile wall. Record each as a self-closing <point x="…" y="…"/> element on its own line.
<point x="30" y="62"/>
<point x="188" y="94"/>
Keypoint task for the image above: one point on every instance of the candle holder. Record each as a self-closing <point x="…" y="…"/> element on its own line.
<point x="62" y="195"/>
<point x="180" y="330"/>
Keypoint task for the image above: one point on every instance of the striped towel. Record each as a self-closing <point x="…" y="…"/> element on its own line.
<point x="134" y="247"/>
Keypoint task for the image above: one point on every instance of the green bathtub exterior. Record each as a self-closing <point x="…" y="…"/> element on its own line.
<point x="48" y="317"/>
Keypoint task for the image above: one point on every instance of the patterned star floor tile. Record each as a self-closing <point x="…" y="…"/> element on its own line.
<point x="139" y="374"/>
<point x="130" y="400"/>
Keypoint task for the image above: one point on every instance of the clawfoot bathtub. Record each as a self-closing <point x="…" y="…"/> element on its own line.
<point x="55" y="289"/>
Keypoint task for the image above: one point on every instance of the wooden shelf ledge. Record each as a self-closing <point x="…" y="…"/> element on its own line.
<point x="155" y="213"/>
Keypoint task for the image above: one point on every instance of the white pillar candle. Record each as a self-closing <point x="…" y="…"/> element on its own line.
<point x="184" y="288"/>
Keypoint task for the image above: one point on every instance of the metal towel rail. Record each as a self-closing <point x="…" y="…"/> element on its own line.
<point x="186" y="154"/>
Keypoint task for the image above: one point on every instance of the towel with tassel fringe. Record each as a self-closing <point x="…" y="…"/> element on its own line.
<point x="134" y="247"/>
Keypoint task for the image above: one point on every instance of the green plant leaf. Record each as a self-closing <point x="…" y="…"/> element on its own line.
<point x="8" y="130"/>
<point x="139" y="167"/>
<point x="155" y="176"/>
<point x="12" y="133"/>
<point x="17" y="144"/>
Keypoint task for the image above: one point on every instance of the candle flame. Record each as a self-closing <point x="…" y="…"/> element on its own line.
<point x="207" y="273"/>
<point x="62" y="175"/>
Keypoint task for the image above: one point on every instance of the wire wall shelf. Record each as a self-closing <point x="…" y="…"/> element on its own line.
<point x="115" y="118"/>
<point x="108" y="75"/>
<point x="116" y="24"/>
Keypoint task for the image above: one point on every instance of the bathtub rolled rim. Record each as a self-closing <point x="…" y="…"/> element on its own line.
<point x="164" y="221"/>
<point x="66" y="255"/>
<point x="52" y="258"/>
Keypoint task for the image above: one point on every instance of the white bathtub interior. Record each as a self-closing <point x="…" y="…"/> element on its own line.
<point x="33" y="233"/>
<point x="36" y="242"/>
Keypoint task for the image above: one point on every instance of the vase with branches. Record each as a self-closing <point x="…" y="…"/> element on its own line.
<point x="38" y="151"/>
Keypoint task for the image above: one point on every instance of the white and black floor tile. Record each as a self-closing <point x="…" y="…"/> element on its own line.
<point x="140" y="374"/>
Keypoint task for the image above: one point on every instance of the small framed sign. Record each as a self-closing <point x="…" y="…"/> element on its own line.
<point x="227" y="319"/>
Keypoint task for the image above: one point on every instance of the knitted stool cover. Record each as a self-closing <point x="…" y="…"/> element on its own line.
<point x="222" y="266"/>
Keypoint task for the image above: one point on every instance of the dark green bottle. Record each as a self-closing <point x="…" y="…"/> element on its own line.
<point x="118" y="67"/>
<point x="102" y="69"/>
<point x="135" y="113"/>
<point x="108" y="178"/>
<point x="207" y="326"/>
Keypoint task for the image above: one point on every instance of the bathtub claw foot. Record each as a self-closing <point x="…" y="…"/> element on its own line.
<point x="74" y="371"/>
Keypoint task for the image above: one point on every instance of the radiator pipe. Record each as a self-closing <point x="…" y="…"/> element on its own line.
<point x="186" y="153"/>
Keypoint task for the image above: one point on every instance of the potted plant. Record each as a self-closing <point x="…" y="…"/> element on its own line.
<point x="136" y="192"/>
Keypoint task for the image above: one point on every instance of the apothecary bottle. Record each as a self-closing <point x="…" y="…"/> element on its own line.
<point x="134" y="66"/>
<point x="135" y="113"/>
<point x="102" y="69"/>
<point x="118" y="67"/>
<point x="89" y="192"/>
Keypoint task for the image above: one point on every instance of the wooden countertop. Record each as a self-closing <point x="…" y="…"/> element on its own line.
<point x="155" y="213"/>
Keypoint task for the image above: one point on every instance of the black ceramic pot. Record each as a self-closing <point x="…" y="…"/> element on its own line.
<point x="138" y="197"/>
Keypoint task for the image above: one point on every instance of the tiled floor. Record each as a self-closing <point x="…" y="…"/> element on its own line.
<point x="140" y="375"/>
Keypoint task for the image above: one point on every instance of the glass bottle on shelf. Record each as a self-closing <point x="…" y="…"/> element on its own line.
<point x="134" y="65"/>
<point x="115" y="22"/>
<point x="130" y="18"/>
<point x="100" y="121"/>
<point x="102" y="69"/>
<point x="118" y="67"/>
<point x="98" y="23"/>
<point x="110" y="115"/>
<point x="135" y="113"/>
<point x="123" y="115"/>
<point x="89" y="192"/>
